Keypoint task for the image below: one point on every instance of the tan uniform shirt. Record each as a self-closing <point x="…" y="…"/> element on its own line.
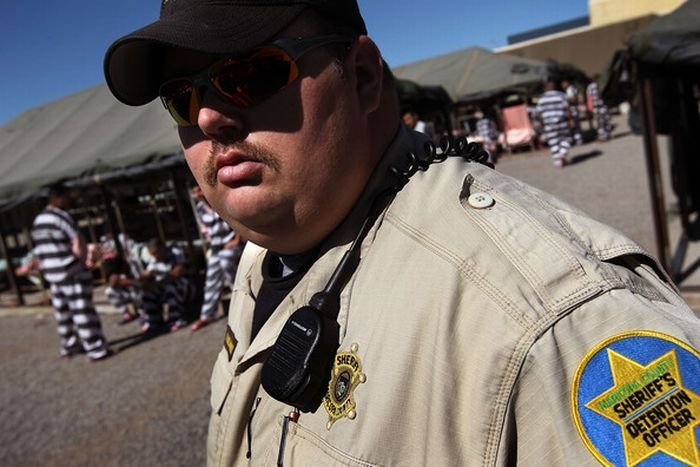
<point x="475" y="314"/>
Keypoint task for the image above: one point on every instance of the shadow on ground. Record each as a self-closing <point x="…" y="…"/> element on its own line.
<point x="577" y="159"/>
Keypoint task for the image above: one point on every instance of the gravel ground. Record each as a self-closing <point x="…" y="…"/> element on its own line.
<point x="148" y="405"/>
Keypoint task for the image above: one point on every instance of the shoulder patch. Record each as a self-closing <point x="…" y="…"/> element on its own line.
<point x="636" y="400"/>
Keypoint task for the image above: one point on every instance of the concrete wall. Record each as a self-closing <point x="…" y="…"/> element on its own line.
<point x="604" y="12"/>
<point x="589" y="48"/>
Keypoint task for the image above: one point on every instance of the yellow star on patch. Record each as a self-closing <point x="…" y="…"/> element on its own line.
<point x="655" y="411"/>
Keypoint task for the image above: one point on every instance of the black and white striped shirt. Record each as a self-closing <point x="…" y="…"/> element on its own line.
<point x="552" y="108"/>
<point x="160" y="269"/>
<point x="217" y="231"/>
<point x="52" y="233"/>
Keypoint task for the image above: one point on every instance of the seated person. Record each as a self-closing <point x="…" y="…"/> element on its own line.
<point x="164" y="282"/>
<point x="123" y="292"/>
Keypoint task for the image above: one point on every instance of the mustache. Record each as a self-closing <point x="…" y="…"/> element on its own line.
<point x="253" y="151"/>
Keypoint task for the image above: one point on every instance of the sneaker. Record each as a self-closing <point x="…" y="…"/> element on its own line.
<point x="200" y="323"/>
<point x="177" y="325"/>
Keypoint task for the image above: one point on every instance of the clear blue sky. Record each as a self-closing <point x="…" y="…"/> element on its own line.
<point x="50" y="49"/>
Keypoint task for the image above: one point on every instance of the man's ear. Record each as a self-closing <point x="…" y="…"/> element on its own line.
<point x="367" y="64"/>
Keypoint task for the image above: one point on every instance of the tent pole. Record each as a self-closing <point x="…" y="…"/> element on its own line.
<point x="89" y="213"/>
<point x="680" y="148"/>
<point x="154" y="208"/>
<point x="118" y="215"/>
<point x="107" y="206"/>
<point x="10" y="267"/>
<point x="180" y="213"/>
<point x="651" y="149"/>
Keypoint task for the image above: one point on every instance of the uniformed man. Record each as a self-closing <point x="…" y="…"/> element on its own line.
<point x="386" y="315"/>
<point x="62" y="252"/>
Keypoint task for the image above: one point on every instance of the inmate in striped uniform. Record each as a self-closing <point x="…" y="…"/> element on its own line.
<point x="600" y="111"/>
<point x="572" y="97"/>
<point x="131" y="252"/>
<point x="167" y="289"/>
<point x="53" y="233"/>
<point x="222" y="262"/>
<point x="553" y="109"/>
<point x="121" y="296"/>
<point x="488" y="133"/>
<point x="122" y="292"/>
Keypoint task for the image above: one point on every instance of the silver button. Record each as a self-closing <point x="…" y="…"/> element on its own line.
<point x="480" y="200"/>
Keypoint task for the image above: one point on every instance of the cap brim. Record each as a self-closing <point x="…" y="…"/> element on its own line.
<point x="133" y="63"/>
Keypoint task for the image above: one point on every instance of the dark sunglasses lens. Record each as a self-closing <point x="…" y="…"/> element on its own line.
<point x="181" y="101"/>
<point x="249" y="82"/>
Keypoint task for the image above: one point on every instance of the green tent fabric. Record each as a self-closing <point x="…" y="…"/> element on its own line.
<point x="83" y="134"/>
<point x="91" y="133"/>
<point x="474" y="73"/>
<point x="672" y="39"/>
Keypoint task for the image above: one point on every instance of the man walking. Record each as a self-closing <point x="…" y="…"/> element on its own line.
<point x="61" y="251"/>
<point x="555" y="114"/>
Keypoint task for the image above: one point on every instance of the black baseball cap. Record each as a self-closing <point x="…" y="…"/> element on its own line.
<point x="132" y="63"/>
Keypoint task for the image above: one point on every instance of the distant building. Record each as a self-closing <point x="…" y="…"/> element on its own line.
<point x="589" y="42"/>
<point x="604" y="12"/>
<point x="549" y="30"/>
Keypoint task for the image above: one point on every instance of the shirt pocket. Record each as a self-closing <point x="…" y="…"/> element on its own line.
<point x="302" y="446"/>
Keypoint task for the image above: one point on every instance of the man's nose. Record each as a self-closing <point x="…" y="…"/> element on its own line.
<point x="217" y="117"/>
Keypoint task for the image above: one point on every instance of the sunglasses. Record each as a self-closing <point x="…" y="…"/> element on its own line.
<point x="243" y="81"/>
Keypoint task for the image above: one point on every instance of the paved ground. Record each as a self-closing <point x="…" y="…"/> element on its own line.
<point x="607" y="180"/>
<point x="149" y="404"/>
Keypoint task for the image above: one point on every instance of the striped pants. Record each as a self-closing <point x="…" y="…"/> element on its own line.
<point x="221" y="267"/>
<point x="602" y="122"/>
<point x="121" y="297"/>
<point x="576" y="130"/>
<point x="78" y="322"/>
<point x="175" y="294"/>
<point x="559" y="142"/>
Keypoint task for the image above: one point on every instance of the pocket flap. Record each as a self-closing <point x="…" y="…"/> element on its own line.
<point x="221" y="382"/>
